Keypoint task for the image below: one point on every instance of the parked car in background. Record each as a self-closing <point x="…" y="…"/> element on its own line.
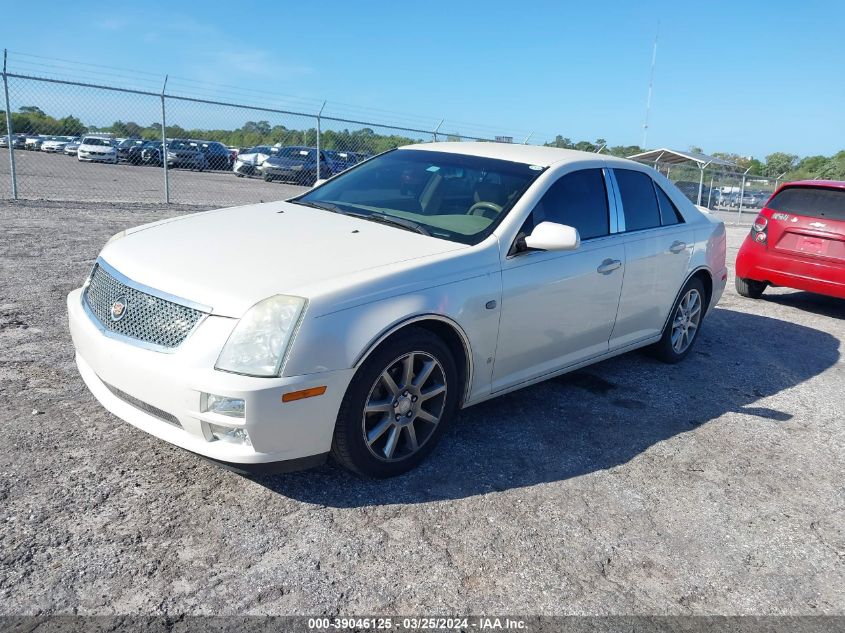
<point x="797" y="241"/>
<point x="18" y="141"/>
<point x="151" y="153"/>
<point x="135" y="153"/>
<point x="34" y="142"/>
<point x="250" y="159"/>
<point x="218" y="155"/>
<point x="296" y="164"/>
<point x="690" y="190"/>
<point x="124" y="147"/>
<point x="355" y="321"/>
<point x="97" y="149"/>
<point x="341" y="161"/>
<point x="72" y="147"/>
<point x="57" y="144"/>
<point x="186" y="154"/>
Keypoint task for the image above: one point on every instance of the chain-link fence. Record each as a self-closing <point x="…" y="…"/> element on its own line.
<point x="80" y="140"/>
<point x="729" y="192"/>
<point x="75" y="140"/>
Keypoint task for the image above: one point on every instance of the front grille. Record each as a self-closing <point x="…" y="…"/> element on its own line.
<point x="146" y="318"/>
<point x="164" y="416"/>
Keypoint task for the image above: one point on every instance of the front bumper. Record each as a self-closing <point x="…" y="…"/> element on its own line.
<point x="173" y="384"/>
<point x="91" y="156"/>
<point x="245" y="169"/>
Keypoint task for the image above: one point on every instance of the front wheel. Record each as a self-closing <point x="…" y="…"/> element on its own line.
<point x="750" y="288"/>
<point x="681" y="330"/>
<point x="397" y="405"/>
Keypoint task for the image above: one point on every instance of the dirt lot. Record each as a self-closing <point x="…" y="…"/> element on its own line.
<point x="713" y="486"/>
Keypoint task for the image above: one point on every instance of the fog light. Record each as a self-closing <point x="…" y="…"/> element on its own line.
<point x="232" y="435"/>
<point x="231" y="407"/>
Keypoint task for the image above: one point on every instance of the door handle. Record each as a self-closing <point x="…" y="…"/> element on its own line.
<point x="678" y="247"/>
<point x="608" y="266"/>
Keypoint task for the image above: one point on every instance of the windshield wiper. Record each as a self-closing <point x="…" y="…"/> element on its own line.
<point x="323" y="206"/>
<point x="402" y="223"/>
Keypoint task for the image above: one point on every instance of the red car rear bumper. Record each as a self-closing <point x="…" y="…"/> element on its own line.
<point x="756" y="262"/>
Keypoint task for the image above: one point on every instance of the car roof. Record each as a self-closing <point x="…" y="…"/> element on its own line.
<point x="829" y="184"/>
<point x="528" y="154"/>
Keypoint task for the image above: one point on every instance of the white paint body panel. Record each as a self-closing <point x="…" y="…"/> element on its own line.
<point x="552" y="311"/>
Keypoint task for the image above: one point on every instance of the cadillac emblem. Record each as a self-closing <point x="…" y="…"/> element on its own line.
<point x="118" y="309"/>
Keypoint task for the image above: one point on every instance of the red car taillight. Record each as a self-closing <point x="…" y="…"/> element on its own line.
<point x="758" y="229"/>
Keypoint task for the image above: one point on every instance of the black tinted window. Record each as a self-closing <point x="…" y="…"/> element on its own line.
<point x="816" y="202"/>
<point x="638" y="199"/>
<point x="669" y="213"/>
<point x="578" y="199"/>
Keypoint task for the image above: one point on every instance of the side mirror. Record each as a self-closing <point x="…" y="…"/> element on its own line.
<point x="551" y="236"/>
<point x="319" y="182"/>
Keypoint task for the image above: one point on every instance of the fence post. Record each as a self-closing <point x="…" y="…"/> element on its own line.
<point x="164" y="145"/>
<point x="12" y="171"/>
<point x="319" y="114"/>
<point x="741" y="195"/>
<point x="437" y="129"/>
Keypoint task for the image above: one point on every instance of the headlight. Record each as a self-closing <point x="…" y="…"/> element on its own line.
<point x="259" y="343"/>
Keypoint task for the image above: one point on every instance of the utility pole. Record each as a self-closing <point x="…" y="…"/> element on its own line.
<point x="650" y="87"/>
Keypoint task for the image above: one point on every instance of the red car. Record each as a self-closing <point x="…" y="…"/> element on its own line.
<point x="797" y="241"/>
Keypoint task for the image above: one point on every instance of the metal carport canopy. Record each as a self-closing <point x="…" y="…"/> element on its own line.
<point x="666" y="156"/>
<point x="674" y="157"/>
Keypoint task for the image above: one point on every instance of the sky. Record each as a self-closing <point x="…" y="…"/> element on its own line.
<point x="744" y="77"/>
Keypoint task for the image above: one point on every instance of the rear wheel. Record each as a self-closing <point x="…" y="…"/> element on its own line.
<point x="750" y="288"/>
<point x="397" y="405"/>
<point x="681" y="330"/>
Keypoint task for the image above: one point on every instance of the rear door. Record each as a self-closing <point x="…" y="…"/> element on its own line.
<point x="808" y="224"/>
<point x="658" y="246"/>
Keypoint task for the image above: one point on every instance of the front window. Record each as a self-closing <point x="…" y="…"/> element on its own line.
<point x="301" y="154"/>
<point x="449" y="196"/>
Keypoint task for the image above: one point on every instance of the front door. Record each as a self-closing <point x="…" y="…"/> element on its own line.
<point x="559" y="308"/>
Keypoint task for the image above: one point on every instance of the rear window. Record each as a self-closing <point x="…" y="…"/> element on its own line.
<point x="815" y="202"/>
<point x="638" y="200"/>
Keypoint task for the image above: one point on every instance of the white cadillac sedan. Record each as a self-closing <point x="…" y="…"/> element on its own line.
<point x="355" y="319"/>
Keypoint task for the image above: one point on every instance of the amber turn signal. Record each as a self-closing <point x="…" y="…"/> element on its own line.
<point x="304" y="393"/>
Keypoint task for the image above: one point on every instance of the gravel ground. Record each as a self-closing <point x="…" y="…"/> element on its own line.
<point x="710" y="487"/>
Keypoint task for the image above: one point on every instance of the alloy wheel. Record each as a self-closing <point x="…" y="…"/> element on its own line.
<point x="404" y="406"/>
<point x="686" y="321"/>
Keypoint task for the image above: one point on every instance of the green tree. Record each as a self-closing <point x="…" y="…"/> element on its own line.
<point x="778" y="163"/>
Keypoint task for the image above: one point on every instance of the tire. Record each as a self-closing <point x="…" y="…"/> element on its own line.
<point x="685" y="321"/>
<point x="268" y="178"/>
<point x="401" y="416"/>
<point x="750" y="288"/>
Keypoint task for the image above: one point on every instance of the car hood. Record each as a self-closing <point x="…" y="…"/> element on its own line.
<point x="230" y="259"/>
<point x="253" y="158"/>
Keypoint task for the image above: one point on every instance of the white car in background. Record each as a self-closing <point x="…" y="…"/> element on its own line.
<point x="355" y="319"/>
<point x="249" y="161"/>
<point x="57" y="144"/>
<point x="97" y="149"/>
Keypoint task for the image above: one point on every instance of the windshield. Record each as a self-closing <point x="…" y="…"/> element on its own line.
<point x="295" y="153"/>
<point x="451" y="196"/>
<point x="258" y="149"/>
<point x="182" y="145"/>
<point x="96" y="141"/>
